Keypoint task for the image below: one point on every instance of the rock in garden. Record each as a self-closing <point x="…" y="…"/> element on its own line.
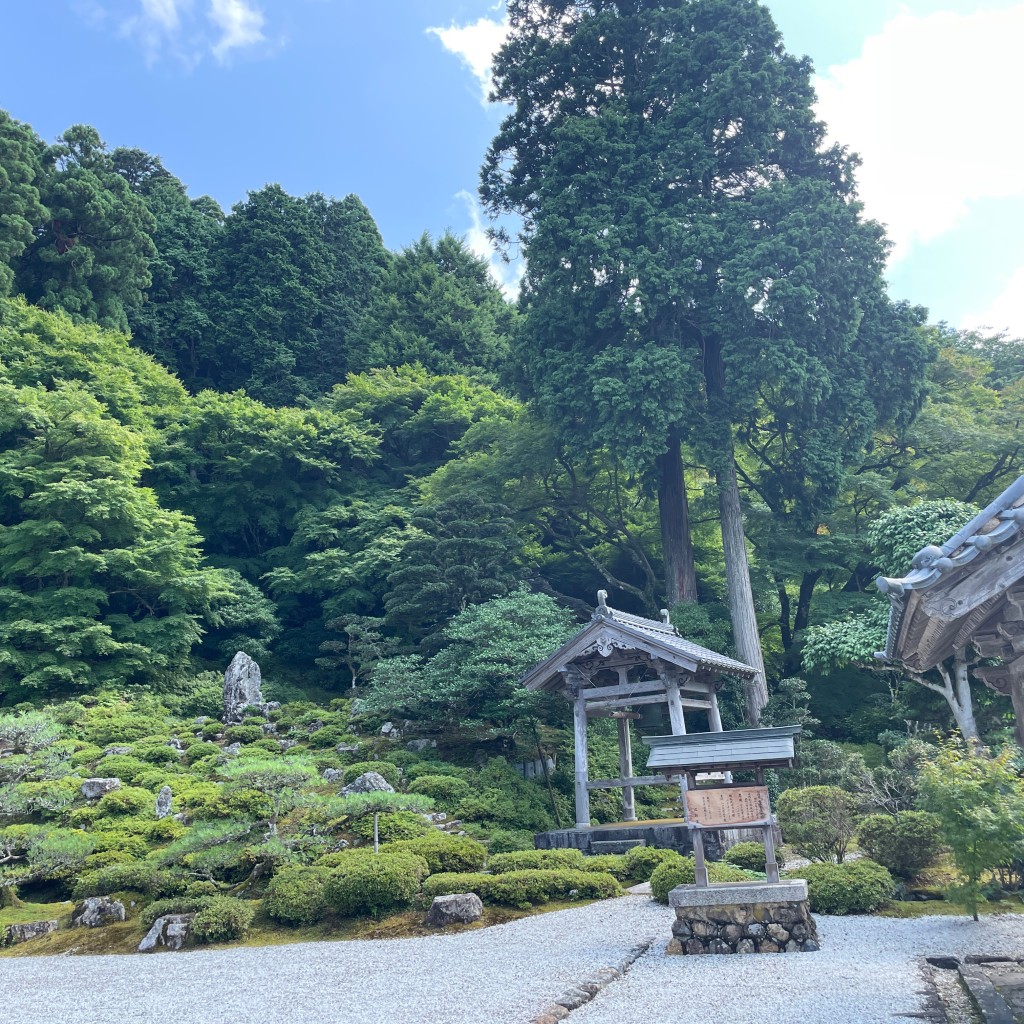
<point x="93" y="789"/>
<point x="171" y="931"/>
<point x="390" y="731"/>
<point x="15" y="933"/>
<point x="418" y="746"/>
<point x="368" y="782"/>
<point x="242" y="682"/>
<point x="346" y="748"/>
<point x="233" y="749"/>
<point x="116" y="749"/>
<point x="163" y="802"/>
<point x="332" y="775"/>
<point x="96" y="911"/>
<point x="459" y="908"/>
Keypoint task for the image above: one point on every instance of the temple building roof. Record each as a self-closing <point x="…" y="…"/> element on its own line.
<point x="961" y="590"/>
<point x="612" y="630"/>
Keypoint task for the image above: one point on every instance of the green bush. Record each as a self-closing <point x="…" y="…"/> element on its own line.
<point x="371" y="885"/>
<point x="449" y="771"/>
<point x="134" y="847"/>
<point x="164" y="830"/>
<point x="443" y="789"/>
<point x="182" y="904"/>
<point x="345" y="860"/>
<point x="612" y="863"/>
<point x="681" y="871"/>
<point x="156" y="753"/>
<point x="906" y="842"/>
<point x="127" y="800"/>
<point x="105" y="858"/>
<point x="211" y="730"/>
<point x="143" y="878"/>
<point x="295" y="895"/>
<point x="532" y="860"/>
<point x="243" y="734"/>
<point x="526" y="888"/>
<point x="388" y="770"/>
<point x="747" y="855"/>
<point x="443" y="852"/>
<point x="393" y="826"/>
<point x="854" y="887"/>
<point x="509" y="840"/>
<point x="222" y="919"/>
<point x="642" y="860"/>
<point x="818" y="821"/>
<point x="86" y="753"/>
<point x="121" y="766"/>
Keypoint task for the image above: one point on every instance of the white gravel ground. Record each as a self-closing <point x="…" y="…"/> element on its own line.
<point x="867" y="971"/>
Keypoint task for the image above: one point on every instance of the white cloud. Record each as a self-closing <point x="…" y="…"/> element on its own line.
<point x="240" y="25"/>
<point x="931" y="104"/>
<point x="178" y="28"/>
<point x="1004" y="313"/>
<point x="475" y="45"/>
<point x="507" y="276"/>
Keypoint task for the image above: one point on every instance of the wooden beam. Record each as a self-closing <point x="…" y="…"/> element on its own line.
<point x="633" y="780"/>
<point x="626" y="690"/>
<point x="661" y="698"/>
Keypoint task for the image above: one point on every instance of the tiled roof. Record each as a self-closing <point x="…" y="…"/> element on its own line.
<point x="1000" y="522"/>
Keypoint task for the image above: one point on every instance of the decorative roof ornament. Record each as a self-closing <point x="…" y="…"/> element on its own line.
<point x="602" y="603"/>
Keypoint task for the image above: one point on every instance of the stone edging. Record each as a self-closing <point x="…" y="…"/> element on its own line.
<point x="585" y="990"/>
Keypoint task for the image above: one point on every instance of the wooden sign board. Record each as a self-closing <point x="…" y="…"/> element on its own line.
<point x="738" y="806"/>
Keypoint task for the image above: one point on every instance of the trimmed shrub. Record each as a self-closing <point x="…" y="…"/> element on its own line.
<point x="156" y="753"/>
<point x="818" y="822"/>
<point x="854" y="887"/>
<point x="104" y="859"/>
<point x="345" y="860"/>
<point x="171" y="905"/>
<point x="86" y="753"/>
<point x="642" y="860"/>
<point x="243" y="734"/>
<point x="421" y="768"/>
<point x="682" y="872"/>
<point x="127" y="800"/>
<point x="444" y="789"/>
<point x="612" y="863"/>
<point x="509" y="841"/>
<point x="533" y="860"/>
<point x="134" y="847"/>
<point x="222" y="919"/>
<point x="443" y="852"/>
<point x="371" y="885"/>
<point x="385" y="768"/>
<point x="747" y="855"/>
<point x="906" y="842"/>
<point x="164" y="830"/>
<point x="142" y="878"/>
<point x="121" y="766"/>
<point x="295" y="895"/>
<point x="211" y="730"/>
<point x="526" y="888"/>
<point x="392" y="827"/>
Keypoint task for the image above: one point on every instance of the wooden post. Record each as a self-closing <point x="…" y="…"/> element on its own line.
<point x="700" y="868"/>
<point x="771" y="864"/>
<point x="579" y="716"/>
<point x="626" y="769"/>
<point x="715" y="721"/>
<point x="675" y="716"/>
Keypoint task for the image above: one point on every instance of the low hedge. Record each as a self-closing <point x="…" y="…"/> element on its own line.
<point x="747" y="855"/>
<point x="346" y="860"/>
<point x="682" y="871"/>
<point x="853" y="887"/>
<point x="526" y="888"/>
<point x="371" y="885"/>
<point x="393" y="826"/>
<point x="444" y="789"/>
<point x="140" y="877"/>
<point x="641" y="861"/>
<point x="295" y="895"/>
<point x="532" y="860"/>
<point x="612" y="863"/>
<point x="905" y="843"/>
<point x="443" y="852"/>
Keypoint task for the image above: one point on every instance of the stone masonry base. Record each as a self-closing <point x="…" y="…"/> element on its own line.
<point x="734" y="925"/>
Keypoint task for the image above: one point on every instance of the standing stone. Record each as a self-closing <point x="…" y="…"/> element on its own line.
<point x="368" y="782"/>
<point x="96" y="911"/>
<point x="242" y="682"/>
<point x="459" y="908"/>
<point x="163" y="802"/>
<point x="171" y="931"/>
<point x="15" y="933"/>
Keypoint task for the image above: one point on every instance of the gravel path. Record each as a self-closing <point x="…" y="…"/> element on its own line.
<point x="866" y="972"/>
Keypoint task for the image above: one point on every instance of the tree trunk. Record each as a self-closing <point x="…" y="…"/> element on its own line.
<point x="376" y="833"/>
<point x="741" y="596"/>
<point x="956" y="690"/>
<point x="674" y="512"/>
<point x="1017" y="696"/>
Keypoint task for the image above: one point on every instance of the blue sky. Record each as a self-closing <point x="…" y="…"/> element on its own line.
<point x="385" y="101"/>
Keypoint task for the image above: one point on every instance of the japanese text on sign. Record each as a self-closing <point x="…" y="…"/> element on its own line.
<point x="738" y="806"/>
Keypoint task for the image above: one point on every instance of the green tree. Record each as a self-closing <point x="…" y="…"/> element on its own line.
<point x="91" y="256"/>
<point x="21" y="211"/>
<point x="818" y="822"/>
<point x="980" y="802"/>
<point x="99" y="585"/>
<point x="359" y="805"/>
<point x="696" y="256"/>
<point x="361" y="646"/>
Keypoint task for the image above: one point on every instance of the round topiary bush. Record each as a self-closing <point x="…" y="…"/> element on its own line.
<point x="509" y="840"/>
<point x="613" y="864"/>
<point x="533" y="860"/>
<point x="641" y="861"/>
<point x="443" y="852"/>
<point x="443" y="789"/>
<point x="818" y="821"/>
<point x="371" y="885"/>
<point x="392" y="826"/>
<point x="854" y="887"/>
<point x="386" y="769"/>
<point x="747" y="855"/>
<point x="906" y="842"/>
<point x="126" y="800"/>
<point x="243" y="734"/>
<point x="223" y="919"/>
<point x="121" y="766"/>
<point x="667" y="875"/>
<point x="295" y="895"/>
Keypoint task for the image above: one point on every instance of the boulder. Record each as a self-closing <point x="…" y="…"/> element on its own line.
<point x="287" y="744"/>
<point x="233" y="749"/>
<point x="96" y="911"/>
<point x="171" y="930"/>
<point x="242" y="687"/>
<point x="346" y="748"/>
<point x="117" y="748"/>
<point x="390" y="731"/>
<point x="368" y="782"/>
<point x="93" y="789"/>
<point x="163" y="802"/>
<point x="15" y="933"/>
<point x="332" y="775"/>
<point x="459" y="908"/>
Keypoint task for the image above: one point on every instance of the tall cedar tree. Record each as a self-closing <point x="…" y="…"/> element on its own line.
<point x="696" y="257"/>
